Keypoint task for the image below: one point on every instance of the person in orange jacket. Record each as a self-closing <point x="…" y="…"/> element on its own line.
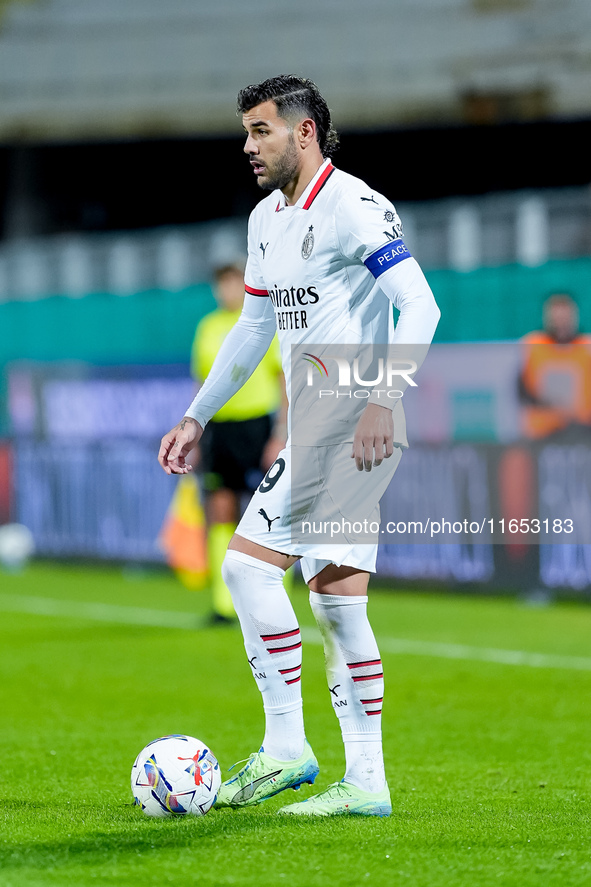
<point x="555" y="380"/>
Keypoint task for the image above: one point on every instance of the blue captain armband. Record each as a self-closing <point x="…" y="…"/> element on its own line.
<point x="387" y="256"/>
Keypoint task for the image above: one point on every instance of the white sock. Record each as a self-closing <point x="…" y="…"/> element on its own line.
<point x="273" y="648"/>
<point x="356" y="684"/>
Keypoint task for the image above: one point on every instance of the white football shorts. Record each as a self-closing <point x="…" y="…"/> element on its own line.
<point x="313" y="503"/>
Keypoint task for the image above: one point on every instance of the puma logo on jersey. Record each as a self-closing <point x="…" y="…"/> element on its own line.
<point x="369" y="199"/>
<point x="263" y="248"/>
<point x="269" y="520"/>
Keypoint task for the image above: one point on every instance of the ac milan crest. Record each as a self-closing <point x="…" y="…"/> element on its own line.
<point x="308" y="243"/>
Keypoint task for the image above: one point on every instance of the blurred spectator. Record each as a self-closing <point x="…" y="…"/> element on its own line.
<point x="555" y="381"/>
<point x="243" y="439"/>
<point x="555" y="391"/>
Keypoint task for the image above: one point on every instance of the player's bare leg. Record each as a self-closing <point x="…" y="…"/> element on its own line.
<point x="261" y="553"/>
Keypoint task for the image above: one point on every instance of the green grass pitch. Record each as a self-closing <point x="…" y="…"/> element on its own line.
<point x="488" y="762"/>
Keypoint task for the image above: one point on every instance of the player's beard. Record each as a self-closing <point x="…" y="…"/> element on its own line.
<point x="283" y="170"/>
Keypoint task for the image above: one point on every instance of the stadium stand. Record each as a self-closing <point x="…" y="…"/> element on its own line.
<point x="83" y="314"/>
<point x="143" y="67"/>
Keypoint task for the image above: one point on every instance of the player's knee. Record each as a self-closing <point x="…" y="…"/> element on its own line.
<point x="238" y="570"/>
<point x="244" y="571"/>
<point x="232" y="569"/>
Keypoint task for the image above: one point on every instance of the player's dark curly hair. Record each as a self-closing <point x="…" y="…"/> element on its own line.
<point x="293" y="96"/>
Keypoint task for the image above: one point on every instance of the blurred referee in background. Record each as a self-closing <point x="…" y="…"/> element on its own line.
<point x="243" y="439"/>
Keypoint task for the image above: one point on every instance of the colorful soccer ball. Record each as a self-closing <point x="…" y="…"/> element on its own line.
<point x="175" y="776"/>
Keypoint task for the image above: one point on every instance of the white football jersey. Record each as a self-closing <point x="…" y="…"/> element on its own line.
<point x="319" y="262"/>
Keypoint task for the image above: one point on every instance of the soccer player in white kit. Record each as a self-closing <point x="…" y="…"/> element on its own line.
<point x="326" y="261"/>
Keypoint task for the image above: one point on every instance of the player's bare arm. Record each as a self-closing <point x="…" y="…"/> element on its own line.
<point x="374" y="436"/>
<point x="176" y="447"/>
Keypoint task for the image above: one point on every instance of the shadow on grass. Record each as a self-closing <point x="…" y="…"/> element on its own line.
<point x="130" y="834"/>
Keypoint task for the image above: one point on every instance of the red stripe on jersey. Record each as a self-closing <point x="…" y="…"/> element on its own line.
<point x="295" y="668"/>
<point x="363" y="664"/>
<point x="253" y="292"/>
<point x="278" y="637"/>
<point x="377" y="712"/>
<point x="293" y="681"/>
<point x="368" y="701"/>
<point x="318" y="186"/>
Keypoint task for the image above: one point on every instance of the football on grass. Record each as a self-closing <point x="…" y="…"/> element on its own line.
<point x="175" y="776"/>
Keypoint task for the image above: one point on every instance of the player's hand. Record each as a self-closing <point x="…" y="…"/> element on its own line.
<point x="177" y="445"/>
<point x="374" y="436"/>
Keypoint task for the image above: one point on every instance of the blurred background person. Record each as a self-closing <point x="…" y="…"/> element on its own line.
<point x="243" y="439"/>
<point x="555" y="381"/>
<point x="118" y="177"/>
<point x="554" y="390"/>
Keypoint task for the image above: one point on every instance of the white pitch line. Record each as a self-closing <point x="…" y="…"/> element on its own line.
<point x="142" y="616"/>
<point x="484" y="654"/>
<point x="95" y="612"/>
